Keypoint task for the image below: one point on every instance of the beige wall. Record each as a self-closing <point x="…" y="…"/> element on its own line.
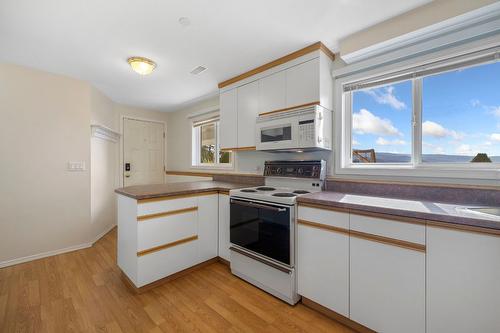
<point x="420" y="17"/>
<point x="45" y="123"/>
<point x="179" y="134"/>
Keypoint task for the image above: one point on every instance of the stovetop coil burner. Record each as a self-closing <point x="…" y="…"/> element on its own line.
<point x="284" y="195"/>
<point x="248" y="190"/>
<point x="301" y="192"/>
<point x="266" y="188"/>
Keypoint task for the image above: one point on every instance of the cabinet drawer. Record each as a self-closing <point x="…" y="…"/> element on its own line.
<point x="157" y="265"/>
<point x="163" y="230"/>
<point x="324" y="216"/>
<point x="405" y="231"/>
<point x="161" y="206"/>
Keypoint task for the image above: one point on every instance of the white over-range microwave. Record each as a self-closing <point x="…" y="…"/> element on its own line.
<point x="304" y="129"/>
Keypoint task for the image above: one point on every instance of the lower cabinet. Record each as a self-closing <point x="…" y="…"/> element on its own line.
<point x="160" y="237"/>
<point x="463" y="281"/>
<point x="224" y="210"/>
<point x="387" y="274"/>
<point x="323" y="258"/>
<point x="387" y="287"/>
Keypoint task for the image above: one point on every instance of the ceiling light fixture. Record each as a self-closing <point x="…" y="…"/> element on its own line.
<point x="141" y="65"/>
<point x="198" y="69"/>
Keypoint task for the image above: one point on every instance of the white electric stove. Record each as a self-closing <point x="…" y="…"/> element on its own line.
<point x="262" y="225"/>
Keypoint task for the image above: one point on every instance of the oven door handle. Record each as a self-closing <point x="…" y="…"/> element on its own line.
<point x="256" y="205"/>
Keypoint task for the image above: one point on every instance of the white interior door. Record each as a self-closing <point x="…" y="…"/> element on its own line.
<point x="143" y="149"/>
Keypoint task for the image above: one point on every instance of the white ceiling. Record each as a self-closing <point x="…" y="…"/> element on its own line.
<point x="91" y="39"/>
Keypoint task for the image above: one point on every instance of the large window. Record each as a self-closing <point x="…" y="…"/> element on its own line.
<point x="206" y="150"/>
<point x="438" y="115"/>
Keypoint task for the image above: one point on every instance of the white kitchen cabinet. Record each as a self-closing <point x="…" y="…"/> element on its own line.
<point x="463" y="274"/>
<point x="272" y="92"/>
<point x="208" y="220"/>
<point x="303" y="83"/>
<point x="160" y="237"/>
<point x="224" y="243"/>
<point x="228" y="125"/>
<point x="387" y="282"/>
<point x="248" y="110"/>
<point x="323" y="259"/>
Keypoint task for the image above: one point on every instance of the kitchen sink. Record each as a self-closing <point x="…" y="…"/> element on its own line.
<point x="493" y="211"/>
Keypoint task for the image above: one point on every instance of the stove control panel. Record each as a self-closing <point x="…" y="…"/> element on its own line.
<point x="296" y="169"/>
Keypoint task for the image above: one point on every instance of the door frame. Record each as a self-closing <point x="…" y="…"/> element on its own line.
<point x="122" y="143"/>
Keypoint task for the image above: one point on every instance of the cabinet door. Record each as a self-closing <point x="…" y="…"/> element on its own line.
<point x="463" y="274"/>
<point x="302" y="83"/>
<point x="224" y="227"/>
<point x="272" y="92"/>
<point x="323" y="267"/>
<point x="228" y="119"/>
<point x="387" y="287"/>
<point x="207" y="226"/>
<point x="248" y="110"/>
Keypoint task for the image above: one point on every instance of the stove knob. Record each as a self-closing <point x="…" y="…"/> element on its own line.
<point x="278" y="171"/>
<point x="301" y="171"/>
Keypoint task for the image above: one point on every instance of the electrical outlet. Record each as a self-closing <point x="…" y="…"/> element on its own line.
<point x="76" y="166"/>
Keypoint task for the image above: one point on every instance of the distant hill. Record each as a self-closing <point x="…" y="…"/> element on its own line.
<point x="430" y="158"/>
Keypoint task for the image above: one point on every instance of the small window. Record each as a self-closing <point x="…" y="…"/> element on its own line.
<point x="206" y="150"/>
<point x="461" y="115"/>
<point x="381" y="123"/>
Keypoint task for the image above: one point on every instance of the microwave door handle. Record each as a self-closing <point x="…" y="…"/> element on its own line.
<point x="256" y="205"/>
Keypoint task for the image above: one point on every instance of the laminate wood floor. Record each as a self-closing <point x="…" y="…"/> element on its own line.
<point x="82" y="291"/>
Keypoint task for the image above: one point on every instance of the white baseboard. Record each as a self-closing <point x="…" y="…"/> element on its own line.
<point x="21" y="260"/>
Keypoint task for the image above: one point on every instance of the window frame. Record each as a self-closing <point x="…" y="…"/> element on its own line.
<point x="415" y="168"/>
<point x="196" y="148"/>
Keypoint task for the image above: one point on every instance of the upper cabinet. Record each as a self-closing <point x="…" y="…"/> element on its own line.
<point x="272" y="92"/>
<point x="298" y="79"/>
<point x="248" y="110"/>
<point x="228" y="119"/>
<point x="302" y="83"/>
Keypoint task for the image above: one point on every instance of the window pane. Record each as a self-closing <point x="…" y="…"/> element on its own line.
<point x="381" y="124"/>
<point x="461" y="115"/>
<point x="207" y="150"/>
<point x="224" y="157"/>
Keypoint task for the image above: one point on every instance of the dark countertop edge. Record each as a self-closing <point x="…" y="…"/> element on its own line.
<point x="179" y="192"/>
<point x="431" y="217"/>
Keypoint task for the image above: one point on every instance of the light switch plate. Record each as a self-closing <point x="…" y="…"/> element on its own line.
<point x="76" y="166"/>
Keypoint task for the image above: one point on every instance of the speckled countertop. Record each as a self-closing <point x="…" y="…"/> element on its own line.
<point x="164" y="190"/>
<point x="425" y="210"/>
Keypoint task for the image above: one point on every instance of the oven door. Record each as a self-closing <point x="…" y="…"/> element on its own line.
<point x="281" y="133"/>
<point x="265" y="229"/>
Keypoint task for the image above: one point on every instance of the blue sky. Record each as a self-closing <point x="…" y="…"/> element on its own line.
<point x="460" y="111"/>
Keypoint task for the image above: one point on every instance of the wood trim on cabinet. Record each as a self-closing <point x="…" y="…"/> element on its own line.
<point x="176" y="196"/>
<point x="290" y="108"/>
<point x="364" y="235"/>
<point x="239" y="148"/>
<point x="335" y="316"/>
<point x="157" y="283"/>
<point x="323" y="226"/>
<point x="225" y="192"/>
<point x="388" y="241"/>
<point x="323" y="207"/>
<point x="294" y="55"/>
<point x="166" y="246"/>
<point x="163" y="214"/>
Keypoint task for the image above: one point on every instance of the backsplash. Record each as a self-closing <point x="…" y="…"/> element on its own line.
<point x="436" y="193"/>
<point x="254" y="180"/>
